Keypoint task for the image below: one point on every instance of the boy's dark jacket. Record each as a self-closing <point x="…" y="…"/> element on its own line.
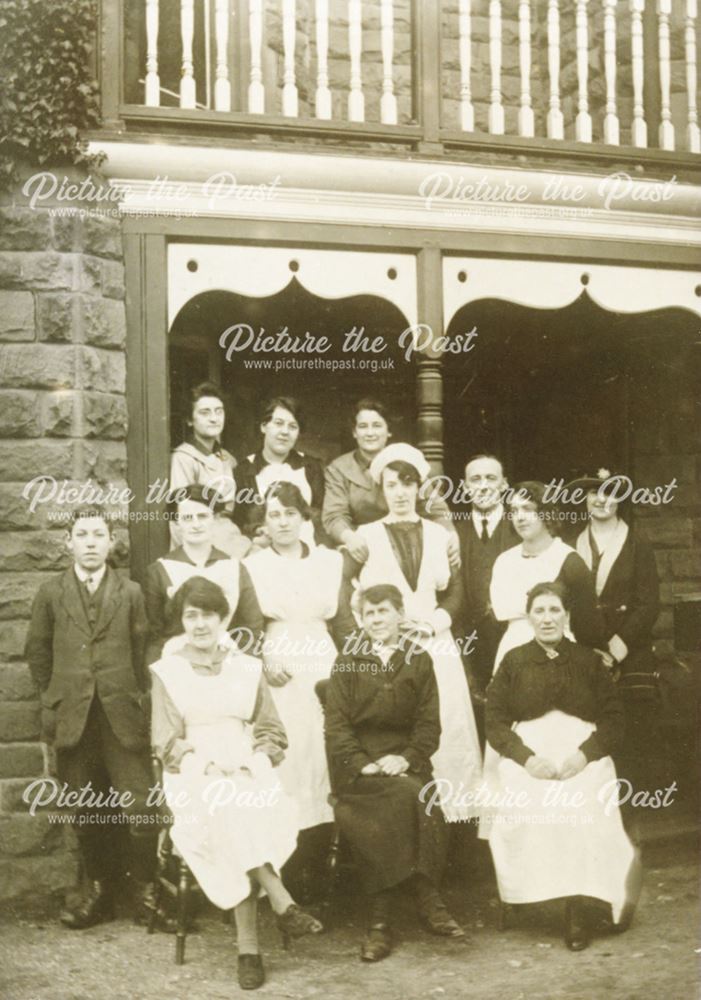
<point x="70" y="663"/>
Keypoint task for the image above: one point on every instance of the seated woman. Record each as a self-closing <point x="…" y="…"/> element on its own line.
<point x="554" y="716"/>
<point x="201" y="459"/>
<point x="279" y="461"/>
<point x="218" y="736"/>
<point x="304" y="601"/>
<point x="412" y="553"/>
<point x="351" y="495"/>
<point x="382" y="728"/>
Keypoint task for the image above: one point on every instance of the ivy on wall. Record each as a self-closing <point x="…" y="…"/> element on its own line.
<point x="48" y="96"/>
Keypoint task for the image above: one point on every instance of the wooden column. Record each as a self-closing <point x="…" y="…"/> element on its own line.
<point x="429" y="374"/>
<point x="148" y="438"/>
<point x="110" y="49"/>
<point x="426" y="73"/>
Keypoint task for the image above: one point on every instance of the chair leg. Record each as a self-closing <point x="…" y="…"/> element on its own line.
<point x="332" y="860"/>
<point x="226" y="916"/>
<point x="157" y="897"/>
<point x="504" y="916"/>
<point x="182" y="901"/>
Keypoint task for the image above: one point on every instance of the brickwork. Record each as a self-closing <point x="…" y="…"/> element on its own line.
<point x="62" y="414"/>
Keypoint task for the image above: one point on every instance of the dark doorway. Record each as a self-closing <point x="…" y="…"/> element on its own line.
<point x="250" y="377"/>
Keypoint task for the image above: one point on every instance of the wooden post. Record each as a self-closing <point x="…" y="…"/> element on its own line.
<point x="426" y="21"/>
<point x="110" y="48"/>
<point x="651" y="80"/>
<point x="429" y="376"/>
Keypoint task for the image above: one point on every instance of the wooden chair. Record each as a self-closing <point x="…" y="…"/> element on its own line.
<point x="333" y="858"/>
<point x="178" y="888"/>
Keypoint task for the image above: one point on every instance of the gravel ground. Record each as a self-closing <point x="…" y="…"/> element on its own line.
<point x="655" y="960"/>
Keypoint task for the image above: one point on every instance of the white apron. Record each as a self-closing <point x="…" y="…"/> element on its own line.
<point x="545" y="846"/>
<point x="513" y="576"/>
<point x="457" y="763"/>
<point x="297" y="598"/>
<point x="224" y="827"/>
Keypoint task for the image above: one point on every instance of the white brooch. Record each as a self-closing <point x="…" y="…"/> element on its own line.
<point x="603" y="474"/>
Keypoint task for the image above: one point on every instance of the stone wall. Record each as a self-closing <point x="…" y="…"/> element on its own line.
<point x="62" y="414"/>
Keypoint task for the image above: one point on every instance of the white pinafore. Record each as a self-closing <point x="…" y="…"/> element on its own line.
<point x="297" y="598"/>
<point x="224" y="827"/>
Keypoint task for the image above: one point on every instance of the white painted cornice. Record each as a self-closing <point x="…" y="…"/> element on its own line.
<point x="218" y="182"/>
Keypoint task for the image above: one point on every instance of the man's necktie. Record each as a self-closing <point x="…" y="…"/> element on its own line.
<point x="485" y="533"/>
<point x="90" y="585"/>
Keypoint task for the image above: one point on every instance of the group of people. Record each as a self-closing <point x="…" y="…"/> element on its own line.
<point x="334" y="636"/>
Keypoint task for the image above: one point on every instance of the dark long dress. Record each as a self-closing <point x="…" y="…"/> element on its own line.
<point x="373" y="710"/>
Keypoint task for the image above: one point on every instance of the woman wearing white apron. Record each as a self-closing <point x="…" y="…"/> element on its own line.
<point x="197" y="556"/>
<point x="219" y="738"/>
<point x="540" y="558"/>
<point x="298" y="592"/>
<point x="554" y="717"/>
<point x="412" y="553"/>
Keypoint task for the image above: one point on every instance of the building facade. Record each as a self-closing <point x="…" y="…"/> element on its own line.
<point x="490" y="210"/>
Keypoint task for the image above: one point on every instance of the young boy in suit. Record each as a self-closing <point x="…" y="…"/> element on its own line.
<point x="85" y="650"/>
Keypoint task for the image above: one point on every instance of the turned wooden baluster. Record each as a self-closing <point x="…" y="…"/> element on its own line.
<point x="693" y="138"/>
<point x="582" y="127"/>
<point x="611" y="126"/>
<point x="153" y="83"/>
<point x="187" y="30"/>
<point x="526" y="122"/>
<point x="496" y="108"/>
<point x="638" y="128"/>
<point x="388" y="102"/>
<point x="356" y="98"/>
<point x="256" y="88"/>
<point x="666" y="130"/>
<point x="222" y="87"/>
<point x="555" y="120"/>
<point x="323" y="94"/>
<point x="290" y="106"/>
<point x="467" y="110"/>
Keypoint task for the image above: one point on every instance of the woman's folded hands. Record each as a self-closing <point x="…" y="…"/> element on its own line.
<point x="276" y="675"/>
<point x="541" y="767"/>
<point x="391" y="765"/>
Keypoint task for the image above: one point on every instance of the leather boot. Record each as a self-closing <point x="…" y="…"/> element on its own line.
<point x="94" y="906"/>
<point x="576" y="931"/>
<point x="433" y="912"/>
<point x="145" y="901"/>
<point x="377" y="943"/>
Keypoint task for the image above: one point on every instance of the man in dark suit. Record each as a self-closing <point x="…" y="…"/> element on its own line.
<point x="85" y="650"/>
<point x="484" y="535"/>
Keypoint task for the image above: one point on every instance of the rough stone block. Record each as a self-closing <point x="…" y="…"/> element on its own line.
<point x="104" y="416"/>
<point x="16" y="316"/>
<point x="16" y="682"/>
<point x="44" y="366"/>
<point x="46" y="270"/>
<point x="685" y="565"/>
<point x="102" y="370"/>
<point x="113" y="279"/>
<point x="21" y="835"/>
<point x="102" y="236"/>
<point x="57" y="317"/>
<point x="31" y="551"/>
<point x="21" y="461"/>
<point x="106" y="462"/>
<point x="27" y="876"/>
<point x="58" y="413"/>
<point x="23" y="229"/>
<point x="14" y="509"/>
<point x="10" y="270"/>
<point x="19" y="413"/>
<point x="19" y="720"/>
<point x="90" y="275"/>
<point x="103" y="322"/>
<point x="669" y="532"/>
<point x="19" y="760"/>
<point x="12" y="638"/>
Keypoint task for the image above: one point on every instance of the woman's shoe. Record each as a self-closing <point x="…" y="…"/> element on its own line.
<point x="294" y="922"/>
<point x="576" y="932"/>
<point x="377" y="944"/>
<point x="95" y="906"/>
<point x="251" y="972"/>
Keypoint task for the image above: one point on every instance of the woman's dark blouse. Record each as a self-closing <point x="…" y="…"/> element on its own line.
<point x="528" y="684"/>
<point x="372" y="710"/>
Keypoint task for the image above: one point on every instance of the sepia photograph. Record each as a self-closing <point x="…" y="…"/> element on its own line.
<point x="350" y="499"/>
